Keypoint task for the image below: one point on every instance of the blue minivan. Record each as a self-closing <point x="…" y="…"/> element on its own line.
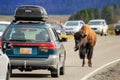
<point x="32" y="45"/>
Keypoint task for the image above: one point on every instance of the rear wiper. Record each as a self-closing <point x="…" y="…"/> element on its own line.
<point x="17" y="40"/>
<point x="29" y="40"/>
<point x="23" y="40"/>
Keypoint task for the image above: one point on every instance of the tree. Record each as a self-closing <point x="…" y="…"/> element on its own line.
<point x="80" y="15"/>
<point x="83" y="15"/>
<point x="116" y="9"/>
<point x="108" y="14"/>
<point x="97" y="13"/>
<point x="91" y="13"/>
<point x="86" y="19"/>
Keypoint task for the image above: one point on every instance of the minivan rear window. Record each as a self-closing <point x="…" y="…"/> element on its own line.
<point x="72" y="23"/>
<point x="27" y="34"/>
<point x="95" y="23"/>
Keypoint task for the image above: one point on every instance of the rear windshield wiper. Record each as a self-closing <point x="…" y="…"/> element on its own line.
<point x="23" y="40"/>
<point x="17" y="40"/>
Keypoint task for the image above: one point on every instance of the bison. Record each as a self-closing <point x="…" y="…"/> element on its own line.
<point x="85" y="40"/>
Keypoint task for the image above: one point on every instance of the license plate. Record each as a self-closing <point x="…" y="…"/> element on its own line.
<point x="25" y="50"/>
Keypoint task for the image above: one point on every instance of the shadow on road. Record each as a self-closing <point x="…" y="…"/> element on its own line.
<point x="18" y="75"/>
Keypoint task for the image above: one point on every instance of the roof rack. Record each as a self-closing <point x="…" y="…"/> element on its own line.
<point x="30" y="13"/>
<point x="27" y="21"/>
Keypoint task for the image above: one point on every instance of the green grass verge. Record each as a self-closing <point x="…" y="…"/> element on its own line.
<point x="111" y="29"/>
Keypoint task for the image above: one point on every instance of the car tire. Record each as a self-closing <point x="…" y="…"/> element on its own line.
<point x="8" y="74"/>
<point x="102" y="33"/>
<point x="62" y="70"/>
<point x="116" y="33"/>
<point x="55" y="73"/>
<point x="105" y="34"/>
<point x="65" y="39"/>
<point x="11" y="72"/>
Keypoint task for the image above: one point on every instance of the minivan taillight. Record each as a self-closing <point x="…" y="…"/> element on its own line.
<point x="50" y="45"/>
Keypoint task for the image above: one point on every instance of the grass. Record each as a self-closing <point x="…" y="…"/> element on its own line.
<point x="70" y="37"/>
<point x="111" y="29"/>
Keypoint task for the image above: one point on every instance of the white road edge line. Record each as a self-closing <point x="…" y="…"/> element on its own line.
<point x="91" y="73"/>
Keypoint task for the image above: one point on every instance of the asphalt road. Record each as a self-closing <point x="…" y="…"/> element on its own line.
<point x="105" y="51"/>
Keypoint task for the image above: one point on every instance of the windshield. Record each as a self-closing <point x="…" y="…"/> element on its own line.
<point x="3" y="27"/>
<point x="71" y="23"/>
<point x="26" y="34"/>
<point x="95" y="23"/>
<point x="56" y="26"/>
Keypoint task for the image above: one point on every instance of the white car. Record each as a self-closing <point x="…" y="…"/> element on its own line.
<point x="4" y="67"/>
<point x="73" y="26"/>
<point x="99" y="26"/>
<point x="3" y="26"/>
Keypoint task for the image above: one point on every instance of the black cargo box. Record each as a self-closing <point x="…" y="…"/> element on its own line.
<point x="31" y="13"/>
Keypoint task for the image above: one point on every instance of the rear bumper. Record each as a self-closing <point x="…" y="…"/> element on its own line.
<point x="97" y="31"/>
<point x="35" y="63"/>
<point x="117" y="30"/>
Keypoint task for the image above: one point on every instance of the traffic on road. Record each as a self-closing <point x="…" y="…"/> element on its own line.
<point x="103" y="54"/>
<point x="33" y="48"/>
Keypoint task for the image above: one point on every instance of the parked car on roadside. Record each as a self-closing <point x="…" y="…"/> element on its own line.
<point x="3" y="26"/>
<point x="117" y="28"/>
<point x="34" y="43"/>
<point x="73" y="26"/>
<point x="4" y="66"/>
<point x="99" y="26"/>
<point x="60" y="30"/>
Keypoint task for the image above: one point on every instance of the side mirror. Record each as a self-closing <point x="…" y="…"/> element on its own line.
<point x="5" y="46"/>
<point x="103" y="24"/>
<point x="58" y="31"/>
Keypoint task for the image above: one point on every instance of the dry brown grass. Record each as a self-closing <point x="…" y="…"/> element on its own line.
<point x="6" y="18"/>
<point x="58" y="18"/>
<point x="51" y="18"/>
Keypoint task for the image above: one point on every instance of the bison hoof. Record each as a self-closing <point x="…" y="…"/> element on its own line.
<point x="83" y="65"/>
<point x="90" y="65"/>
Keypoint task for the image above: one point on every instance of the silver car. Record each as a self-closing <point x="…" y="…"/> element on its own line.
<point x="4" y="66"/>
<point x="73" y="26"/>
<point x="3" y="26"/>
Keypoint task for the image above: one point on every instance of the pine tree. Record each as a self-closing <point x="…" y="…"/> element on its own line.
<point x="97" y="13"/>
<point x="108" y="14"/>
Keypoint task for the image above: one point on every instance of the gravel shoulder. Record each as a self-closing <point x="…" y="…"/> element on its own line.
<point x="109" y="73"/>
